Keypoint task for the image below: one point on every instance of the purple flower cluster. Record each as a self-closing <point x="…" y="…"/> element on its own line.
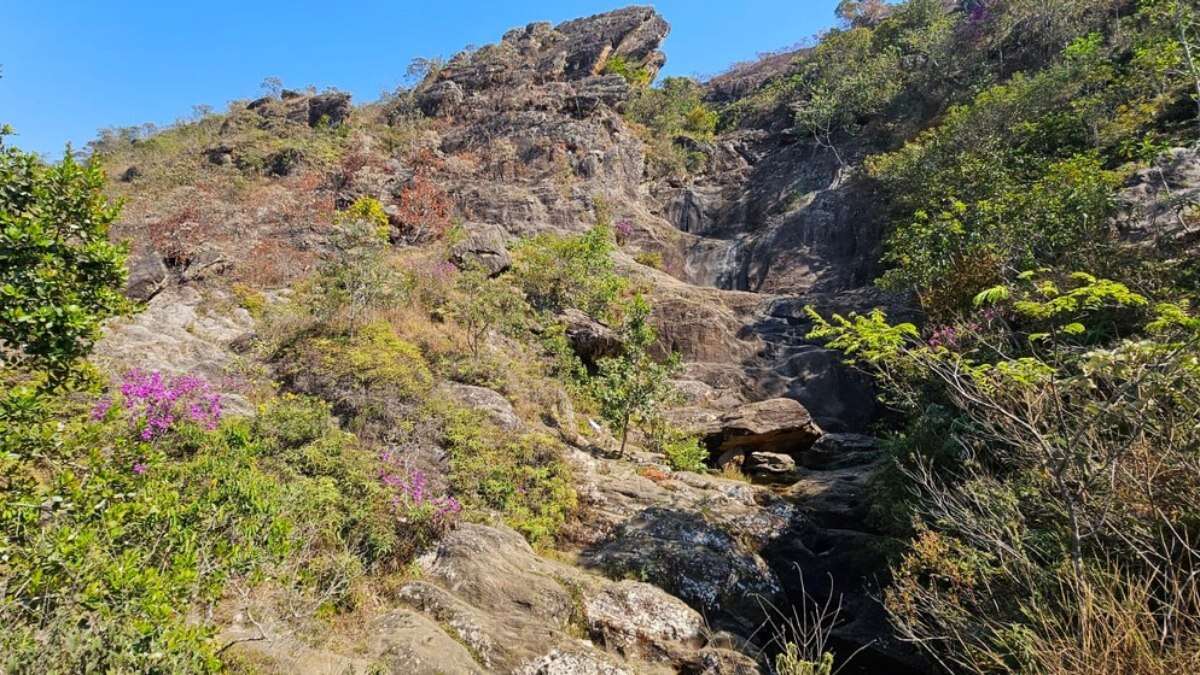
<point x="411" y="491"/>
<point x="155" y="403"/>
<point x="624" y="229"/>
<point x="954" y="336"/>
<point x="947" y="336"/>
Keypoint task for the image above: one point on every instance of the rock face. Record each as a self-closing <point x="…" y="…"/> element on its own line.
<point x="519" y="613"/>
<point x="1160" y="205"/>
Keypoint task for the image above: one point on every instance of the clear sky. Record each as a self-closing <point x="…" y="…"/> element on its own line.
<point x="71" y="67"/>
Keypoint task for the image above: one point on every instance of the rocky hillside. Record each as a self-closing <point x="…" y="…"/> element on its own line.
<point x="524" y="369"/>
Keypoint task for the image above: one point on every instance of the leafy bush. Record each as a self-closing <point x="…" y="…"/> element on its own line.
<point x="633" y="388"/>
<point x="1038" y="540"/>
<point x="637" y="75"/>
<point x="484" y="303"/>
<point x="375" y="357"/>
<point x="102" y="575"/>
<point x="685" y="453"/>
<point x="59" y="275"/>
<point x="357" y="275"/>
<point x="557" y="272"/>
<point x="675" y="110"/>
<point x="524" y="477"/>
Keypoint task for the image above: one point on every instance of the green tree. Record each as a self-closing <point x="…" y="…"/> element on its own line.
<point x="633" y="388"/>
<point x="357" y="275"/>
<point x="60" y="276"/>
<point x="558" y="272"/>
<point x="484" y="303"/>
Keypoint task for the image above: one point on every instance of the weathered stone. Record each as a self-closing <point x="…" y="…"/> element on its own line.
<point x="638" y="619"/>
<point x="440" y="99"/>
<point x="779" y="425"/>
<point x="490" y="403"/>
<point x="1160" y="205"/>
<point x="408" y="642"/>
<point x="701" y="563"/>
<point x="769" y="466"/>
<point x="147" y="275"/>
<point x="590" y="339"/>
<point x="567" y="662"/>
<point x="483" y="246"/>
<point x="837" y="451"/>
<point x="331" y="108"/>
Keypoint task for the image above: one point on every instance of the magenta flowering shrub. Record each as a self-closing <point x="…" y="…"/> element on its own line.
<point x="623" y="229"/>
<point x="155" y="404"/>
<point x="956" y="337"/>
<point x="413" y="499"/>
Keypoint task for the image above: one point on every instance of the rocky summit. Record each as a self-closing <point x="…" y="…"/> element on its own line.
<point x="549" y="365"/>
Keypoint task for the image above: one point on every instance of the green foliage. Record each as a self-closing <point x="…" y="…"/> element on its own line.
<point x="556" y="272"/>
<point x="685" y="453"/>
<point x="59" y="275"/>
<point x="109" y="543"/>
<point x="357" y="275"/>
<point x="1023" y="462"/>
<point x="634" y="387"/>
<point x="790" y="662"/>
<point x="673" y="117"/>
<point x="375" y="357"/>
<point x="484" y="303"/>
<point x="1019" y="176"/>
<point x="366" y="210"/>
<point x="524" y="476"/>
<point x="637" y="75"/>
<point x="102" y="560"/>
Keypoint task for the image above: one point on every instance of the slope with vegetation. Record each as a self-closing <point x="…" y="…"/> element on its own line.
<point x="542" y="366"/>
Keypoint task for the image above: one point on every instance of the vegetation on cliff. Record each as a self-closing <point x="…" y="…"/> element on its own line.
<point x="1049" y="402"/>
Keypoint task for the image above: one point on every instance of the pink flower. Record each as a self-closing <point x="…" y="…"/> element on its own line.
<point x="139" y="468"/>
<point x="154" y="403"/>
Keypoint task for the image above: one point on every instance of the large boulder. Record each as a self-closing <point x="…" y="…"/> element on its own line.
<point x="147" y="275"/>
<point x="777" y="425"/>
<point x="332" y="109"/>
<point x="590" y="339"/>
<point x="701" y="562"/>
<point x="491" y="403"/>
<point x="483" y="246"/>
<point x="638" y="619"/>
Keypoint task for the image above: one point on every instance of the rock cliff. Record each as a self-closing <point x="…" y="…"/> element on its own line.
<point x="670" y="572"/>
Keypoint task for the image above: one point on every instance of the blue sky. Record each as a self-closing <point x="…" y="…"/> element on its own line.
<point x="71" y="67"/>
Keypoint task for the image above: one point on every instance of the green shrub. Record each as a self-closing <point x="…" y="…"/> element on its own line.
<point x="673" y="111"/>
<point x="632" y="388"/>
<point x="524" y="477"/>
<point x="650" y="259"/>
<point x="60" y="277"/>
<point x="375" y="357"/>
<point x="638" y="76"/>
<point x="131" y="539"/>
<point x="366" y="210"/>
<point x="290" y="421"/>
<point x="557" y="272"/>
<point x="685" y="453"/>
